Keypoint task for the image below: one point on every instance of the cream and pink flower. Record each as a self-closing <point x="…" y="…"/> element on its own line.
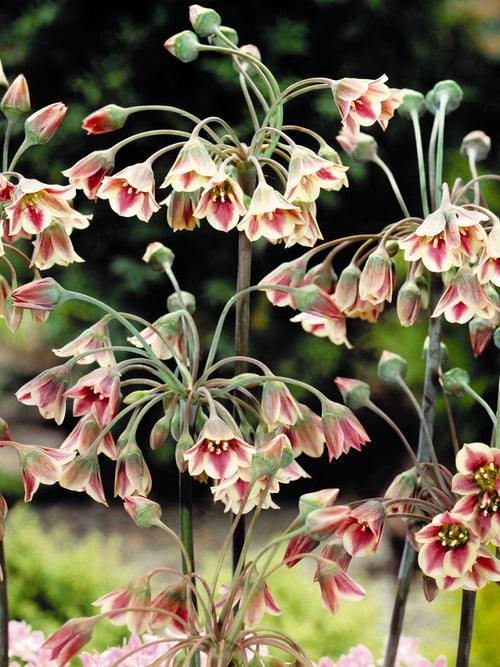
<point x="83" y="474"/>
<point x="365" y="101"/>
<point x="192" y="169"/>
<point x="46" y="391"/>
<point x="219" y="452"/>
<point x="89" y="172"/>
<point x="174" y="601"/>
<point x="132" y="475"/>
<point x="464" y="299"/>
<point x="324" y="327"/>
<point x="288" y="274"/>
<point x="306" y="434"/>
<point x="165" y="336"/>
<point x="308" y="173"/>
<point x="85" y="434"/>
<point x="488" y="267"/>
<point x="361" y="532"/>
<point x="270" y="215"/>
<point x="90" y="343"/>
<point x="16" y="100"/>
<point x="180" y="210"/>
<point x="278" y="406"/>
<point x="221" y="202"/>
<point x="98" y="393"/>
<point x="335" y="585"/>
<point x="69" y="639"/>
<point x="41" y="125"/>
<point x="378" y="277"/>
<point x="53" y="246"/>
<point x="342" y="429"/>
<point x="135" y="594"/>
<point x="44" y="294"/>
<point x="131" y="192"/>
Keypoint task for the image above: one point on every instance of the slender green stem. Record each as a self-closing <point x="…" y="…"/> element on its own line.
<point x="479" y="399"/>
<point x="421" y="164"/>
<point x="4" y="613"/>
<point x="395" y="188"/>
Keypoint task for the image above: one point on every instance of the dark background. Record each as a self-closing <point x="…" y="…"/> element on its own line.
<point x="89" y="54"/>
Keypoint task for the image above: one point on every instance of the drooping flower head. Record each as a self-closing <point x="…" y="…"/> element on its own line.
<point x="131" y="191"/>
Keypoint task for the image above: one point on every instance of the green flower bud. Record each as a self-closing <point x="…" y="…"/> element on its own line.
<point x="204" y="20"/>
<point x="412" y="100"/>
<point x="158" y="256"/>
<point x="455" y="382"/>
<point x="448" y="91"/>
<point x="476" y="143"/>
<point x="391" y="367"/>
<point x="184" y="45"/>
<point x="174" y="304"/>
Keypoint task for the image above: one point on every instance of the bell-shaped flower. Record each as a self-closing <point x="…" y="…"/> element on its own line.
<point x="361" y="532"/>
<point x="90" y="341"/>
<point x="53" y="246"/>
<point x="347" y="287"/>
<point x="219" y="452"/>
<point x="44" y="294"/>
<point x="6" y="189"/>
<point x="261" y="602"/>
<point x="364" y="102"/>
<point x="107" y="119"/>
<point x="46" y="391"/>
<point x="84" y="435"/>
<point x="488" y="267"/>
<point x="232" y="491"/>
<point x="36" y="204"/>
<point x="98" y="393"/>
<point x="288" y="274"/>
<point x="270" y="215"/>
<point x="41" y="125"/>
<point x="408" y="302"/>
<point x="174" y="601"/>
<point x="131" y="191"/>
<point x="39" y="465"/>
<point x="132" y="476"/>
<point x="278" y="406"/>
<point x="342" y="429"/>
<point x="83" y="474"/>
<point x="307" y="232"/>
<point x="16" y="100"/>
<point x="89" y="172"/>
<point x="464" y="299"/>
<point x="445" y="236"/>
<point x="306" y="434"/>
<point x="136" y="593"/>
<point x="165" y="337"/>
<point x="323" y="523"/>
<point x="324" y="327"/>
<point x="221" y="202"/>
<point x="66" y="642"/>
<point x="192" y="169"/>
<point x="180" y="210"/>
<point x="335" y="585"/>
<point x="299" y="545"/>
<point x="481" y="331"/>
<point x="308" y="173"/>
<point x="377" y="279"/>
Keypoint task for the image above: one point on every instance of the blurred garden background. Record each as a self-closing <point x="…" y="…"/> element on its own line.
<point x="88" y="54"/>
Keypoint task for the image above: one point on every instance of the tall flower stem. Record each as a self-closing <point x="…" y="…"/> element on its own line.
<point x="431" y="384"/>
<point x="4" y="613"/>
<point x="466" y="625"/>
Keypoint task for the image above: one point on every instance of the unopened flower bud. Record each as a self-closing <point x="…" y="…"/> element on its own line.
<point x="42" y="294"/>
<point x="184" y="443"/>
<point x="477" y="144"/>
<point x="346" y="291"/>
<point x="204" y="20"/>
<point x="145" y="513"/>
<point x="229" y="33"/>
<point x="188" y="302"/>
<point x="456" y="382"/>
<point x="391" y="367"/>
<point x="412" y="101"/>
<point x="16" y="101"/>
<point x="356" y="394"/>
<point x="40" y="127"/>
<point x="244" y="64"/>
<point x="408" y="303"/>
<point x="361" y="147"/>
<point x="446" y="92"/>
<point x="312" y="299"/>
<point x="273" y="456"/>
<point x="158" y="256"/>
<point x="135" y="396"/>
<point x="403" y="485"/>
<point x="481" y="332"/>
<point x="392" y="247"/>
<point x="315" y="500"/>
<point x="109" y="118"/>
<point x="328" y="153"/>
<point x="184" y="45"/>
<point x="160" y="432"/>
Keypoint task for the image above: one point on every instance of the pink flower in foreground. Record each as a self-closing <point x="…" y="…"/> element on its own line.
<point x="41" y="125"/>
<point x="335" y="585"/>
<point x="361" y="532"/>
<point x="85" y="433"/>
<point x="89" y="172"/>
<point x="97" y="392"/>
<point x="288" y="274"/>
<point x="68" y="640"/>
<point x="308" y="173"/>
<point x="221" y="202"/>
<point x="46" y="391"/>
<point x="131" y="191"/>
<point x="270" y="215"/>
<point x="174" y="601"/>
<point x="464" y="299"/>
<point x="132" y="474"/>
<point x="342" y="429"/>
<point x="360" y="101"/>
<point x="90" y="341"/>
<point x="278" y="408"/>
<point x="25" y="643"/>
<point x="192" y="169"/>
<point x="218" y="452"/>
<point x="83" y="474"/>
<point x="136" y="593"/>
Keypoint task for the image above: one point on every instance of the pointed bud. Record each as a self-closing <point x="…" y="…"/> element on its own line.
<point x="40" y="127"/>
<point x="160" y="432"/>
<point x="184" y="45"/>
<point x="204" y="20"/>
<point x="144" y="512"/>
<point x="456" y="382"/>
<point x="42" y="294"/>
<point x="391" y="367"/>
<point x="356" y="394"/>
<point x="109" y="118"/>
<point x="272" y="457"/>
<point x="184" y="443"/>
<point x="446" y="92"/>
<point x="481" y="332"/>
<point x="16" y="101"/>
<point x="346" y="291"/>
<point x="308" y="502"/>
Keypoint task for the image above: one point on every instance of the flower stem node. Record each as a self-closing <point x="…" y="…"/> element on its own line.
<point x="476" y="143"/>
<point x="391" y="367"/>
<point x="183" y="45"/>
<point x="446" y="92"/>
<point x="413" y="101"/>
<point x="182" y="301"/>
<point x="456" y="381"/>
<point x="205" y="21"/>
<point x="158" y="256"/>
